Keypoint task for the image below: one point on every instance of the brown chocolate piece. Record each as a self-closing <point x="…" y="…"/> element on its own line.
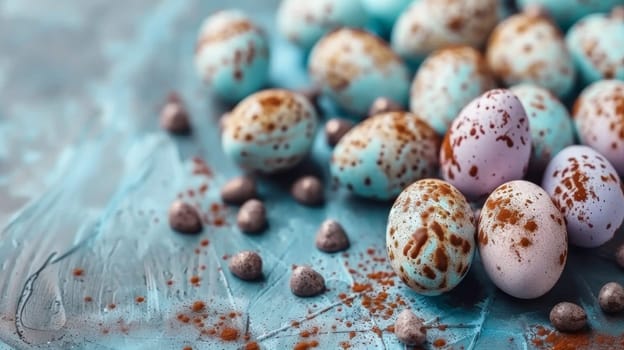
<point x="252" y="217"/>
<point x="306" y="282"/>
<point x="383" y="105"/>
<point x="246" y="265"/>
<point x="568" y="317"/>
<point x="611" y="297"/>
<point x="174" y="116"/>
<point x="239" y="190"/>
<point x="331" y="237"/>
<point x="335" y="129"/>
<point x="184" y="218"/>
<point x="308" y="190"/>
<point x="410" y="329"/>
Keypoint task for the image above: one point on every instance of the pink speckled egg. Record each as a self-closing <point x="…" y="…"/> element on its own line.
<point x="586" y="189"/>
<point x="522" y="240"/>
<point x="488" y="144"/>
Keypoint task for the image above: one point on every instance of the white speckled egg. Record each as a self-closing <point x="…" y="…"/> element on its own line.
<point x="552" y="128"/>
<point x="430" y="236"/>
<point x="355" y="67"/>
<point x="447" y="81"/>
<point x="387" y="11"/>
<point x="488" y="144"/>
<point x="586" y="189"/>
<point x="270" y="130"/>
<point x="429" y="25"/>
<point x="529" y="48"/>
<point x="232" y="55"/>
<point x="385" y="153"/>
<point x="599" y="117"/>
<point x="522" y="240"/>
<point x="305" y="22"/>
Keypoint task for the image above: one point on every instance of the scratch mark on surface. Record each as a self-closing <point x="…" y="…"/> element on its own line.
<point x="480" y="322"/>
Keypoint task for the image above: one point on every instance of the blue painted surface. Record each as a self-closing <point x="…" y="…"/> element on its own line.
<point x="86" y="178"/>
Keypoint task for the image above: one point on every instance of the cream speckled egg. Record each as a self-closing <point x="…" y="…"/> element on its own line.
<point x="270" y="130"/>
<point x="430" y="236"/>
<point x="522" y="240"/>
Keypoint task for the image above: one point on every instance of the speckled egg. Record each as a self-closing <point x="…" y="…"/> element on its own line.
<point x="429" y="25"/>
<point x="430" y="236"/>
<point x="552" y="128"/>
<point x="522" y="240"/>
<point x="599" y="117"/>
<point x="587" y="190"/>
<point x="566" y="12"/>
<point x="232" y="55"/>
<point x="529" y="48"/>
<point x="488" y="144"/>
<point x="270" y="130"/>
<point x="386" y="12"/>
<point x="305" y="22"/>
<point x="447" y="81"/>
<point x="385" y="153"/>
<point x="596" y="45"/>
<point x="354" y="67"/>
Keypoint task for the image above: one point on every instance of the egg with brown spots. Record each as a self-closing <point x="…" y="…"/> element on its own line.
<point x="385" y="153"/>
<point x="522" y="240"/>
<point x="588" y="192"/>
<point x="488" y="144"/>
<point x="430" y="236"/>
<point x="269" y="131"/>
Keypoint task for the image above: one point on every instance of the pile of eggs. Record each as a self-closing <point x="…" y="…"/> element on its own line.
<point x="494" y="108"/>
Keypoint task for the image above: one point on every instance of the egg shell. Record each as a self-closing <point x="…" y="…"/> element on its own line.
<point x="488" y="144"/>
<point x="447" y="81"/>
<point x="429" y="25"/>
<point x="551" y="126"/>
<point x="596" y="45"/>
<point x="529" y="48"/>
<point x="430" y="236"/>
<point x="385" y="153"/>
<point x="566" y="12"/>
<point x="522" y="240"/>
<point x="232" y="55"/>
<point x="586" y="189"/>
<point x="599" y="117"/>
<point x="386" y="11"/>
<point x="354" y="67"/>
<point x="305" y="22"/>
<point x="270" y="130"/>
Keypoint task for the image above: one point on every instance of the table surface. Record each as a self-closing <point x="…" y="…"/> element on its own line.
<point x="86" y="178"/>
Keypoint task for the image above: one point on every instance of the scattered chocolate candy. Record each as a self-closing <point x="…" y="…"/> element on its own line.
<point x="611" y="297"/>
<point x="383" y="105"/>
<point x="239" y="190"/>
<point x="184" y="218"/>
<point x="410" y="329"/>
<point x="246" y="265"/>
<point x="335" y="129"/>
<point x="619" y="256"/>
<point x="252" y="216"/>
<point x="568" y="317"/>
<point x="306" y="282"/>
<point x="308" y="190"/>
<point x="174" y="117"/>
<point x="331" y="237"/>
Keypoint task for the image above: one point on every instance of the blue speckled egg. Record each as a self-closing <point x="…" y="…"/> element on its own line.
<point x="551" y="126"/>
<point x="385" y="153"/>
<point x="596" y="43"/>
<point x="386" y="12"/>
<point x="447" y="81"/>
<point x="566" y="12"/>
<point x="529" y="48"/>
<point x="429" y="25"/>
<point x="232" y="55"/>
<point x="354" y="67"/>
<point x="305" y="22"/>
<point x="430" y="236"/>
<point x="270" y="130"/>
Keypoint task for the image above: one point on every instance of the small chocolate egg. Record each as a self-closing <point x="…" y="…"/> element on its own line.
<point x="386" y="12"/>
<point x="305" y="22"/>
<point x="430" y="236"/>
<point x="447" y="81"/>
<point x="270" y="130"/>
<point x="529" y="48"/>
<point x="488" y="144"/>
<point x="522" y="240"/>
<point x="429" y="25"/>
<point x="552" y="128"/>
<point x="385" y="153"/>
<point x="566" y="12"/>
<point x="354" y="67"/>
<point x="586" y="189"/>
<point x="599" y="117"/>
<point x="232" y="55"/>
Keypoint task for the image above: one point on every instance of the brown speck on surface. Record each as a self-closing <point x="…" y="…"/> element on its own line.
<point x="229" y="334"/>
<point x="88" y="299"/>
<point x="139" y="299"/>
<point x="198" y="306"/>
<point x="195" y="280"/>
<point x="438" y="343"/>
<point x="78" y="272"/>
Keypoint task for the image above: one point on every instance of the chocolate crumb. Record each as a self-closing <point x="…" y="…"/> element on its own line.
<point x="306" y="282"/>
<point x="184" y="218"/>
<point x="308" y="190"/>
<point x="410" y="329"/>
<point x="246" y="265"/>
<point x="239" y="190"/>
<point x="174" y="117"/>
<point x="252" y="217"/>
<point x="611" y="297"/>
<point x="383" y="105"/>
<point x="568" y="317"/>
<point x="335" y="129"/>
<point x="331" y="237"/>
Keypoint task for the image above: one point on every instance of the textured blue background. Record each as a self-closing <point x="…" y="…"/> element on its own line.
<point x="86" y="178"/>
